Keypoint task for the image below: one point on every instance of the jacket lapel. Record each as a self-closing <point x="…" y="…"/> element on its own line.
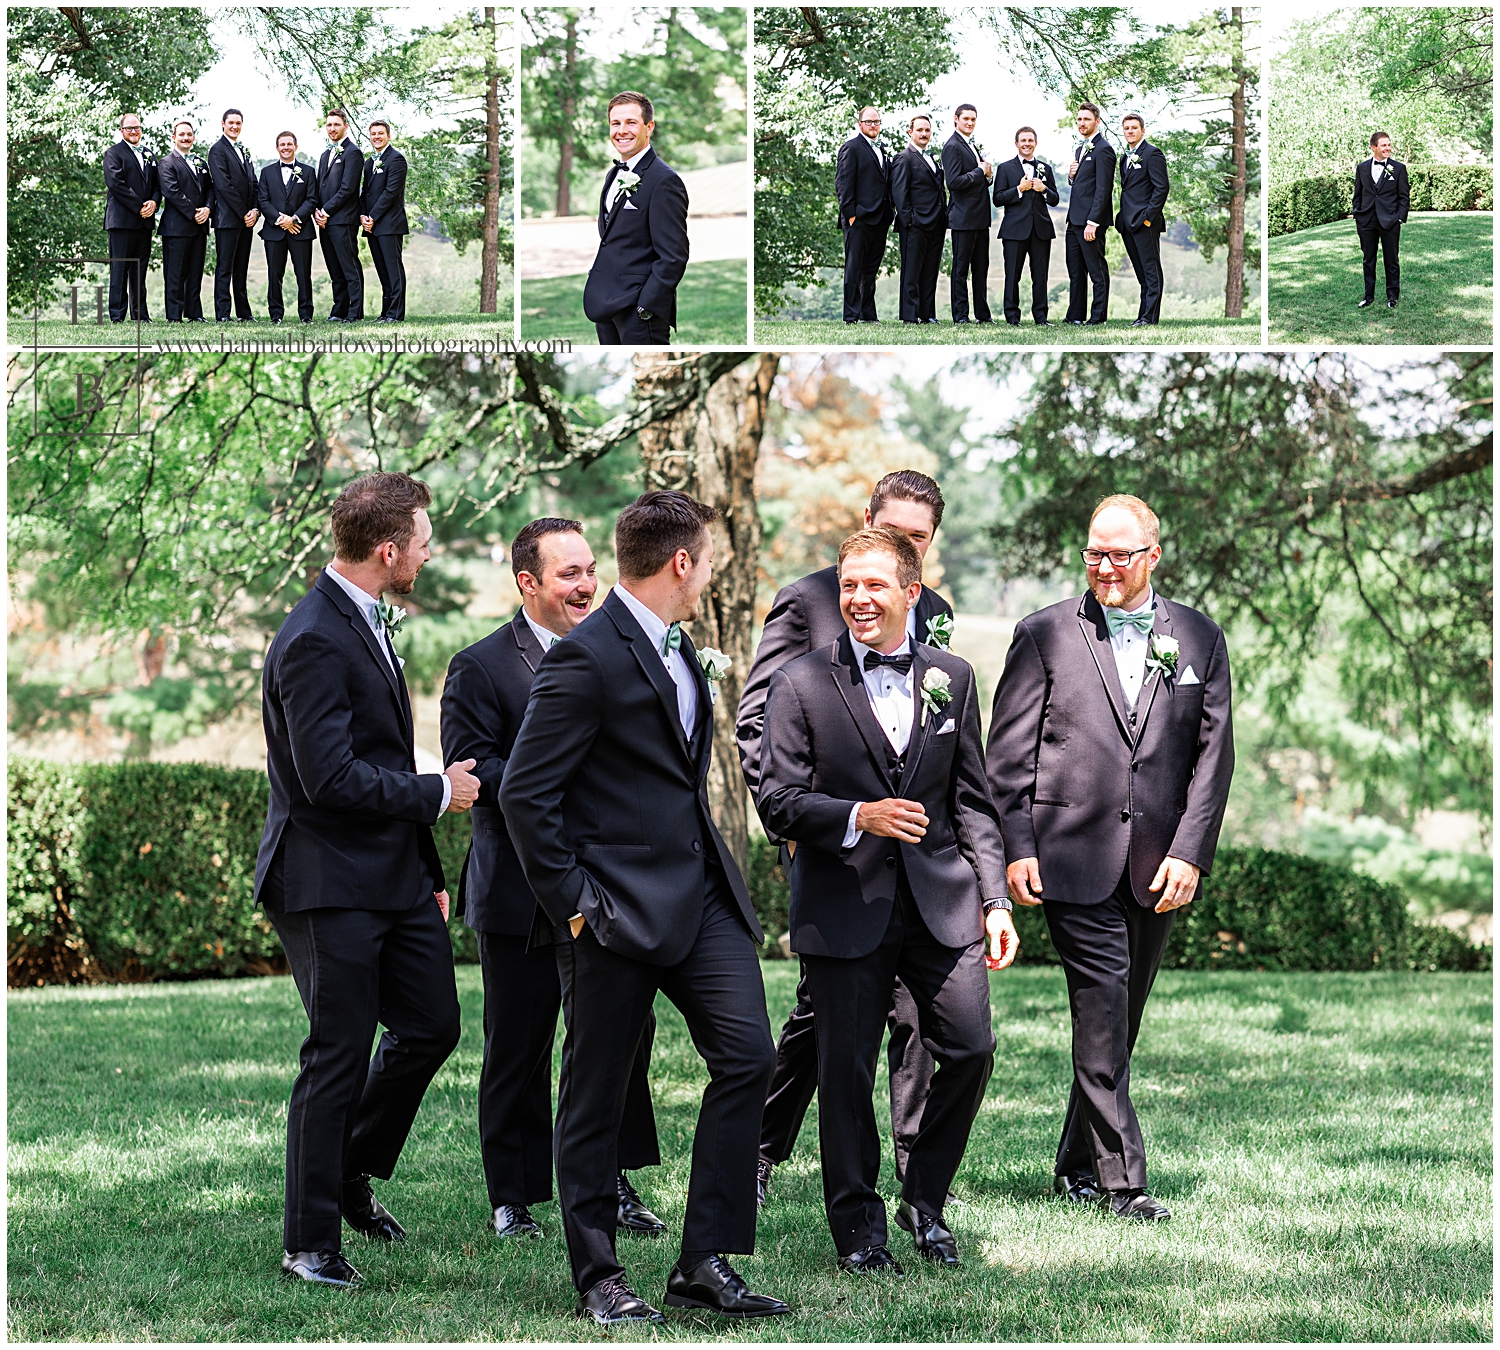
<point x="641" y="165"/>
<point x="703" y="732"/>
<point x="531" y="649"/>
<point x="850" y="681"/>
<point x="1154" y="678"/>
<point x="914" y="747"/>
<point x="1096" y="637"/>
<point x="346" y="607"/>
<point x="652" y="666"/>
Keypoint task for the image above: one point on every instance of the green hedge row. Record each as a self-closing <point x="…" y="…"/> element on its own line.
<point x="146" y="871"/>
<point x="1326" y="197"/>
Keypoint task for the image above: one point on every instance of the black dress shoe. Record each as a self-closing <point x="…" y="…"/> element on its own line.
<point x="365" y="1214"/>
<point x="1044" y="323"/>
<point x="1140" y="323"/>
<point x="963" y="321"/>
<point x="1136" y="1205"/>
<point x="514" y="1221"/>
<point x="1079" y="1187"/>
<point x="984" y="321"/>
<point x="763" y="1168"/>
<point x="1077" y="323"/>
<point x="1390" y="304"/>
<point x="1097" y="323"/>
<point x="716" y="1285"/>
<point x="1366" y="302"/>
<point x="929" y="320"/>
<point x="612" y="1301"/>
<point x="633" y="1215"/>
<point x="1013" y="323"/>
<point x="868" y="1260"/>
<point x="320" y="1268"/>
<point x="929" y="1233"/>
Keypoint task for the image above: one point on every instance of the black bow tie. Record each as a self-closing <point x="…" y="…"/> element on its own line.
<point x="1029" y="163"/>
<point x="901" y="663"/>
<point x="621" y="164"/>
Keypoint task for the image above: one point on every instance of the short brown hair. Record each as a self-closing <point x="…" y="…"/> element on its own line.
<point x="1377" y="136"/>
<point x="654" y="526"/>
<point x="381" y="122"/>
<point x="1150" y="525"/>
<point x="920" y="117"/>
<point x="1021" y="131"/>
<point x="339" y="113"/>
<point x="526" y="551"/>
<point x="648" y="113"/>
<point x="907" y="485"/>
<point x="374" y="509"/>
<point x="1133" y="117"/>
<point x="885" y="540"/>
<point x="281" y="134"/>
<point x="1090" y="107"/>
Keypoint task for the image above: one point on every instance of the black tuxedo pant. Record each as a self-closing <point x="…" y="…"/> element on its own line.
<point x="1144" y="248"/>
<point x="1086" y="263"/>
<point x="951" y="990"/>
<point x="864" y="251"/>
<point x="795" y="1078"/>
<point x="231" y="270"/>
<point x="385" y="250"/>
<point x="128" y="278"/>
<point x="971" y="258"/>
<point x="182" y="257"/>
<point x="606" y="1000"/>
<point x="1110" y="953"/>
<point x="300" y="253"/>
<point x="1387" y="243"/>
<point x="350" y="1114"/>
<point x="627" y="328"/>
<point x="921" y="260"/>
<point x="522" y="994"/>
<point x="1036" y="252"/>
<point x="341" y="258"/>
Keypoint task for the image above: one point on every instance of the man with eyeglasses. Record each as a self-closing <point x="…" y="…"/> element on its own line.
<point x="1110" y="753"/>
<point x="862" y="183"/>
<point x="132" y="197"/>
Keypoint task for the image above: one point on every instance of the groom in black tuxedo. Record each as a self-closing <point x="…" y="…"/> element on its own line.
<point x="349" y="875"/>
<point x="383" y="219"/>
<point x="1110" y="754"/>
<point x="631" y="293"/>
<point x="862" y="184"/>
<point x="132" y="198"/>
<point x="1090" y="210"/>
<point x="872" y="763"/>
<point x="969" y="174"/>
<point x="287" y="197"/>
<point x="605" y="797"/>
<point x="1382" y="197"/>
<point x="187" y="202"/>
<point x="484" y="702"/>
<point x="340" y="169"/>
<point x="1026" y="187"/>
<point x="1144" y="185"/>
<point x="235" y="214"/>
<point x="920" y="203"/>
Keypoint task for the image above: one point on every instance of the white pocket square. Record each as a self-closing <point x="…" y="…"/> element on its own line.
<point x="947" y="726"/>
<point x="630" y="205"/>
<point x="1189" y="676"/>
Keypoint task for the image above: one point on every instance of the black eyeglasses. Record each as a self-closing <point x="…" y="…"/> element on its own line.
<point x="1118" y="557"/>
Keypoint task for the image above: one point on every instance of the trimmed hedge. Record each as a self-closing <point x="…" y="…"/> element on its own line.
<point x="1327" y="197"/>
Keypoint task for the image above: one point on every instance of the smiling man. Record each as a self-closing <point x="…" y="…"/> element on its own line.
<point x="131" y="200"/>
<point x="187" y="192"/>
<point x="235" y="214"/>
<point x="1382" y="197"/>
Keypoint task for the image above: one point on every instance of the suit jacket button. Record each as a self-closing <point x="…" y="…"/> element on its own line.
<point x="697" y="847"/>
<point x="1125" y="816"/>
<point x="1136" y="767"/>
<point x="890" y="862"/>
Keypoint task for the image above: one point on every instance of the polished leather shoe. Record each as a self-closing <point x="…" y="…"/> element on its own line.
<point x="633" y="1215"/>
<point x="1096" y="323"/>
<point x="1365" y="304"/>
<point x="320" y="1268"/>
<point x="612" y="1301"/>
<point x="1077" y="323"/>
<point x="1012" y="323"/>
<point x="868" y="1260"/>
<point x="1140" y="323"/>
<point x="1080" y="1187"/>
<point x="763" y="1169"/>
<point x="365" y="1214"/>
<point x="1136" y="1205"/>
<point x="924" y="320"/>
<point x="929" y="1233"/>
<point x="1390" y="304"/>
<point x="1044" y="323"/>
<point x="716" y="1285"/>
<point x="514" y="1221"/>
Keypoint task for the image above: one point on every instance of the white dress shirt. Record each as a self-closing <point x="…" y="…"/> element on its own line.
<point x="927" y="157"/>
<point x="614" y="188"/>
<point x="1130" y="646"/>
<point x="286" y="172"/>
<point x="139" y="153"/>
<point x="543" y="635"/>
<point x="676" y="663"/>
<point x="890" y="695"/>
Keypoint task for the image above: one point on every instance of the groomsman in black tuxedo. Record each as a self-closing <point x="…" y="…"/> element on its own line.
<point x="1110" y="754"/>
<point x="131" y="201"/>
<point x="969" y="173"/>
<point x="805" y="617"/>
<point x="1090" y="210"/>
<point x="287" y="197"/>
<point x="872" y="763"/>
<point x="383" y="218"/>
<point x="187" y="193"/>
<point x="1144" y="186"/>
<point x="484" y="702"/>
<point x="235" y="215"/>
<point x="862" y="184"/>
<point x="1025" y="186"/>
<point x="605" y="797"/>
<point x="1382" y="198"/>
<point x="340" y="168"/>
<point x="920" y="204"/>
<point x="631" y="293"/>
<point x="349" y="875"/>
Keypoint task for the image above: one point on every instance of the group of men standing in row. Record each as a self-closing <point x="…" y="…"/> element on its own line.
<point x="581" y="739"/>
<point x="929" y="194"/>
<point x="182" y="195"/>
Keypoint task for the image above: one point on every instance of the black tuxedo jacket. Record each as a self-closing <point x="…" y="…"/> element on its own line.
<point x="349" y="812"/>
<point x="298" y="198"/>
<point x="862" y="183"/>
<point x="643" y="245"/>
<point x="184" y="190"/>
<point x="1094" y="186"/>
<point x="127" y="189"/>
<point x="918" y="193"/>
<point x="803" y="617"/>
<point x="337" y="183"/>
<point x="1026" y="213"/>
<point x="824" y="751"/>
<point x="968" y="188"/>
<point x="383" y="193"/>
<point x="1143" y="190"/>
<point x="233" y="172"/>
<point x="484" y="702"/>
<point x="605" y="796"/>
<point x="1082" y="790"/>
<point x="1380" y="207"/>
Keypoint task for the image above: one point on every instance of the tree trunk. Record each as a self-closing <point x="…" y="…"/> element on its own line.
<point x="1234" y="284"/>
<point x="489" y="266"/>
<point x="709" y="450"/>
<point x="569" y="112"/>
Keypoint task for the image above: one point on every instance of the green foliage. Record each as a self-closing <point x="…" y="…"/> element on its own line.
<point x="769" y="892"/>
<point x="710" y="307"/>
<point x="1305" y="202"/>
<point x="1446" y="52"/>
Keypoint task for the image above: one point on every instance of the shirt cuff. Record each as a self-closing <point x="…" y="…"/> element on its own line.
<point x="997" y="903"/>
<point x="1094" y="223"/>
<point x="852" y="834"/>
<point x="447" y="793"/>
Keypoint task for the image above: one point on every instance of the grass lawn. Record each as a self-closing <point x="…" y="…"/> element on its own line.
<point x="1447" y="285"/>
<point x="1184" y="334"/>
<point x="216" y="337"/>
<point x="1322" y="1140"/>
<point x="710" y="307"/>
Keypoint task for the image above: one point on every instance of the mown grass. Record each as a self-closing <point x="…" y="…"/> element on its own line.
<point x="262" y="335"/>
<point x="1323" y="1141"/>
<point x="710" y="307"/>
<point x="1184" y="334"/>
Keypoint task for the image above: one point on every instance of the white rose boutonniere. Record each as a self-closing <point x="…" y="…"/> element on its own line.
<point x="936" y="694"/>
<point x="715" y="666"/>
<point x="940" y="632"/>
<point x="1162" y="653"/>
<point x="392" y="616"/>
<point x="627" y="181"/>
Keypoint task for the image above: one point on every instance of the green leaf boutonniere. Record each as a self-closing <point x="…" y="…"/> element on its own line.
<point x="936" y="694"/>
<point x="715" y="667"/>
<point x="392" y="616"/>
<point x="1162" y="653"/>
<point x="940" y="632"/>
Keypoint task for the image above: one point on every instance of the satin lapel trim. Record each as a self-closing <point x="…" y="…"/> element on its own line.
<point x="654" y="668"/>
<point x="642" y="165"/>
<point x="531" y="649"/>
<point x="851" y="686"/>
<point x="1164" y="623"/>
<point x="367" y="635"/>
<point x="1111" y="680"/>
<point x="918" y="742"/>
<point x="703" y="733"/>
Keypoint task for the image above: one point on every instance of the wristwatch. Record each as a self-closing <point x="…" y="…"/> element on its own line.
<point x="644" y="313"/>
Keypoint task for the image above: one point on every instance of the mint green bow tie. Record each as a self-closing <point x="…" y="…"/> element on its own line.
<point x="671" y="640"/>
<point x="1117" y="622"/>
